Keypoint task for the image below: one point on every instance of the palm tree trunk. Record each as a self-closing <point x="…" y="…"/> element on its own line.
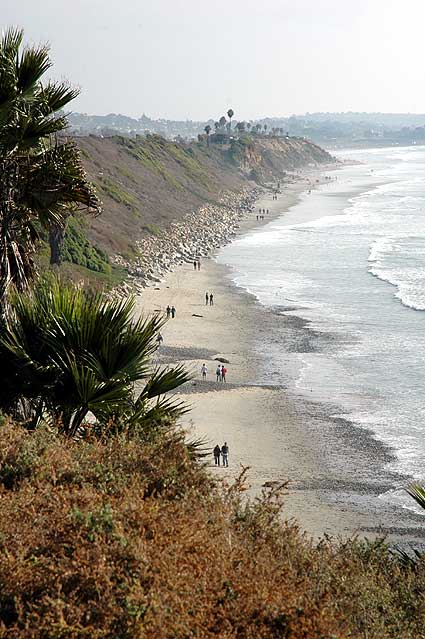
<point x="56" y="237"/>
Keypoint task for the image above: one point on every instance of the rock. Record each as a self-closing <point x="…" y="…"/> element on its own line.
<point x="194" y="237"/>
<point x="222" y="360"/>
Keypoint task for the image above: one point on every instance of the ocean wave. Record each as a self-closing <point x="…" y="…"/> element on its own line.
<point x="399" y="262"/>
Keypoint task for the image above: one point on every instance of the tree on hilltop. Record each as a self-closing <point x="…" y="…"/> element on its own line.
<point x="41" y="177"/>
<point x="230" y="113"/>
<point x="222" y="122"/>
<point x="240" y="127"/>
<point x="207" y="130"/>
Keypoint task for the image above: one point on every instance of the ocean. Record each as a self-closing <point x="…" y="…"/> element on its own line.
<point x="349" y="258"/>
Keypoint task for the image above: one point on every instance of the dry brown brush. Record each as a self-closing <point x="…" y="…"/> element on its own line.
<point x="125" y="539"/>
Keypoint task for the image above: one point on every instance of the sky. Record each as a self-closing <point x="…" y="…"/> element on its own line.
<point x="193" y="59"/>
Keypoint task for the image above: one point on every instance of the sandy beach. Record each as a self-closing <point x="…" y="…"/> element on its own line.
<point x="280" y="437"/>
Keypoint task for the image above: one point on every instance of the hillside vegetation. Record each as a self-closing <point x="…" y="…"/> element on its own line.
<point x="123" y="538"/>
<point x="146" y="183"/>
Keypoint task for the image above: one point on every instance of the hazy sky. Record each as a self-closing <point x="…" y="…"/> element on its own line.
<point x="192" y="59"/>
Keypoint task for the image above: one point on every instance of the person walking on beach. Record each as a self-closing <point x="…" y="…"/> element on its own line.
<point x="206" y="299"/>
<point x="204" y="371"/>
<point x="223" y="373"/>
<point x="159" y="339"/>
<point x="225" y="454"/>
<point x="173" y="312"/>
<point x="199" y="265"/>
<point x="218" y="373"/>
<point x="168" y="311"/>
<point x="194" y="265"/>
<point x="211" y="299"/>
<point x="217" y="452"/>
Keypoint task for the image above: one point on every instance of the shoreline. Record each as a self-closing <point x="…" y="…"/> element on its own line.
<point x="281" y="437"/>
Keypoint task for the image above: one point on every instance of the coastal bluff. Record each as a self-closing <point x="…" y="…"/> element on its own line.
<point x="148" y="184"/>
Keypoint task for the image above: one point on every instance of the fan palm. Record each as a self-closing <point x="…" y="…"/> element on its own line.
<point x="41" y="178"/>
<point x="66" y="351"/>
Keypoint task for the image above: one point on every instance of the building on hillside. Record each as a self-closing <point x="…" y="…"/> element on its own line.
<point x="220" y="137"/>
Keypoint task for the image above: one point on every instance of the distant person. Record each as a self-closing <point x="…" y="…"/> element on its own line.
<point x="173" y="312"/>
<point x="199" y="265"/>
<point x="194" y="265"/>
<point x="159" y="339"/>
<point x="211" y="299"/>
<point x="206" y="299"/>
<point x="204" y="371"/>
<point x="223" y="373"/>
<point x="216" y="453"/>
<point x="225" y="454"/>
<point x="218" y="373"/>
<point x="168" y="311"/>
<point x="267" y="211"/>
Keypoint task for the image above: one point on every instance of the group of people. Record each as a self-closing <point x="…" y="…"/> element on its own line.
<point x="262" y="213"/>
<point x="222" y="452"/>
<point x="197" y="264"/>
<point x="171" y="311"/>
<point x="209" y="298"/>
<point x="274" y="196"/>
<point x="220" y="372"/>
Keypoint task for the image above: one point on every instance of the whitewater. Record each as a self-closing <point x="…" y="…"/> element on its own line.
<point x="349" y="258"/>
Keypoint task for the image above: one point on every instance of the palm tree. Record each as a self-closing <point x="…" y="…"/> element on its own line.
<point x="222" y="122"/>
<point x="41" y="177"/>
<point x="66" y="351"/>
<point x="207" y="130"/>
<point x="230" y="114"/>
<point x="265" y="128"/>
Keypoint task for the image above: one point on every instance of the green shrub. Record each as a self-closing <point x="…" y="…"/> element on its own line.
<point x="79" y="250"/>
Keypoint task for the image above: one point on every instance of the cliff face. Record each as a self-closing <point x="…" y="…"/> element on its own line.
<point x="148" y="183"/>
<point x="266" y="159"/>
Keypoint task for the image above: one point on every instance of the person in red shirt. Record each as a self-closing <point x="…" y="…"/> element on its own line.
<point x="223" y="373"/>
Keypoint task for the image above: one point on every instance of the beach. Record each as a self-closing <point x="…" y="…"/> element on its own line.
<point x="278" y="436"/>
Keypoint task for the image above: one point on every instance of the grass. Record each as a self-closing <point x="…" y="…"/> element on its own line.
<point x="117" y="193"/>
<point x="129" y="538"/>
<point x="152" y="229"/>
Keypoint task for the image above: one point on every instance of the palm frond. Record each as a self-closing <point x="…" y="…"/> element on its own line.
<point x="418" y="493"/>
<point x="55" y="96"/>
<point x="11" y="40"/>
<point x="164" y="381"/>
<point x="408" y="560"/>
<point x="33" y="64"/>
